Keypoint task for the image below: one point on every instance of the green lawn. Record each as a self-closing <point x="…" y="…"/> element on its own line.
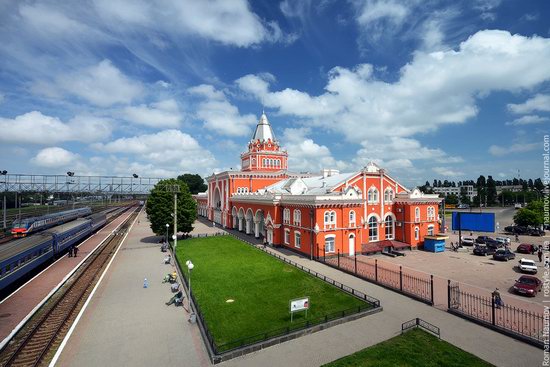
<point x="260" y="285"/>
<point x="415" y="348"/>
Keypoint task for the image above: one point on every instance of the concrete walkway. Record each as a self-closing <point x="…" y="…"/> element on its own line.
<point x="127" y="325"/>
<point x="339" y="341"/>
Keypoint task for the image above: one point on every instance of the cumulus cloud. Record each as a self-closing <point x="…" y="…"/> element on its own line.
<point x="54" y="157"/>
<point x="447" y="172"/>
<point x="35" y="128"/>
<point x="219" y="115"/>
<point x="527" y="120"/>
<point x="214" y="20"/>
<point x="160" y="114"/>
<point x="163" y="149"/>
<point x="306" y="155"/>
<point x="540" y="102"/>
<point x="497" y="150"/>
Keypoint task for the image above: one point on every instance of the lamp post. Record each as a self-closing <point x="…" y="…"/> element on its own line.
<point x="190" y="267"/>
<point x="3" y="173"/>
<point x="316" y="232"/>
<point x="166" y="238"/>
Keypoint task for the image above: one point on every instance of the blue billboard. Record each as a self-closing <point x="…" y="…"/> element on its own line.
<point x="479" y="222"/>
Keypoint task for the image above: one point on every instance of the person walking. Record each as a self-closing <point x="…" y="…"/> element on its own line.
<point x="497" y="298"/>
<point x="71" y="251"/>
<point x="540" y="254"/>
<point x="75" y="251"/>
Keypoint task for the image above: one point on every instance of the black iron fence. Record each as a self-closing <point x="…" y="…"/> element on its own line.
<point x="418" y="322"/>
<point x="489" y="311"/>
<point x="371" y="304"/>
<point x="412" y="285"/>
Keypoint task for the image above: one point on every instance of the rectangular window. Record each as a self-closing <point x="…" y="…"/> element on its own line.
<point x="287" y="237"/>
<point x="297" y="239"/>
<point x="329" y="244"/>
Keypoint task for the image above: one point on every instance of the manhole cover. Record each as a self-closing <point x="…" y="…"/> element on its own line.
<point x="230" y="301"/>
<point x="5" y="315"/>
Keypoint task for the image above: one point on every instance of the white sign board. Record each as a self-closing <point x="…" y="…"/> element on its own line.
<point x="299" y="304"/>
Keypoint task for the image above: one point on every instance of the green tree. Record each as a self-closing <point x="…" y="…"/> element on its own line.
<point x="194" y="182"/>
<point x="451" y="199"/>
<point x="160" y="207"/>
<point x="539" y="186"/>
<point x="481" y="190"/>
<point x="491" y="191"/>
<point x="464" y="198"/>
<point x="527" y="217"/>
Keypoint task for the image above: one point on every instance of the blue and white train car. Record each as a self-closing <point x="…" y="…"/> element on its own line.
<point x="69" y="234"/>
<point x="23" y="227"/>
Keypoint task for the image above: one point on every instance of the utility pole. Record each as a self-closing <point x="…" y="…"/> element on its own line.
<point x="175" y="218"/>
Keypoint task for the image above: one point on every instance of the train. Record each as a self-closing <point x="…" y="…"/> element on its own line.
<point x="24" y="227"/>
<point x="19" y="257"/>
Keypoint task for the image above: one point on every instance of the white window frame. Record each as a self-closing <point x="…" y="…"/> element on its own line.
<point x="416" y="233"/>
<point x="297" y="217"/>
<point x="328" y="237"/>
<point x="297" y="239"/>
<point x="388" y="195"/>
<point x="286" y="216"/>
<point x="431" y="213"/>
<point x="372" y="195"/>
<point x="369" y="221"/>
<point x="417" y="214"/>
<point x="352" y="217"/>
<point x="431" y="229"/>
<point x="392" y="227"/>
<point x="287" y="236"/>
<point x="330" y="219"/>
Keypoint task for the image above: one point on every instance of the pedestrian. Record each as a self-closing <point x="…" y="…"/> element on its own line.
<point x="497" y="298"/>
<point x="540" y="254"/>
<point x="71" y="251"/>
<point x="265" y="243"/>
<point x="75" y="251"/>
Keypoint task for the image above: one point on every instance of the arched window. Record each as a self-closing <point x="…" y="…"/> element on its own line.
<point x="417" y="214"/>
<point x="373" y="229"/>
<point x="329" y="243"/>
<point x="416" y="233"/>
<point x="372" y="195"/>
<point x="431" y="213"/>
<point x="330" y="219"/>
<point x="352" y="218"/>
<point x="297" y="217"/>
<point x="263" y="162"/>
<point x="388" y="223"/>
<point x="431" y="230"/>
<point x="286" y="216"/>
<point x="388" y="195"/>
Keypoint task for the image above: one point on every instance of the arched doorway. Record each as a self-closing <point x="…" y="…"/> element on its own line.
<point x="259" y="223"/>
<point x="351" y="242"/>
<point x="241" y="219"/>
<point x="249" y="219"/>
<point x="217" y="206"/>
<point x="234" y="217"/>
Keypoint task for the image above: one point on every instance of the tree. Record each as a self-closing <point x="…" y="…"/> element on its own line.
<point x="491" y="191"/>
<point x="435" y="183"/>
<point x="427" y="184"/>
<point x="464" y="198"/>
<point x="481" y="190"/>
<point x="194" y="182"/>
<point x="160" y="207"/>
<point x="539" y="186"/>
<point x="439" y="183"/>
<point x="527" y="217"/>
<point x="451" y="199"/>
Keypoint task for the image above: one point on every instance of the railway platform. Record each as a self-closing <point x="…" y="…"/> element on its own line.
<point x="15" y="308"/>
<point x="127" y="324"/>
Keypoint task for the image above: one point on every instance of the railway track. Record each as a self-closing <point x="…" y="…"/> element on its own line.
<point x="35" y="344"/>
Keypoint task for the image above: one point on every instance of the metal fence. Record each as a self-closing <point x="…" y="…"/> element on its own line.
<point x="513" y="321"/>
<point x="418" y="322"/>
<point x="418" y="287"/>
<point x="372" y="304"/>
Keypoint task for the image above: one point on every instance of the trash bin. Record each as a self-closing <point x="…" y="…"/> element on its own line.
<point x="192" y="318"/>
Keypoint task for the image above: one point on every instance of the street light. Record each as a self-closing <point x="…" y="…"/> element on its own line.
<point x="190" y="267"/>
<point x="135" y="176"/>
<point x="166" y="238"/>
<point x="316" y="231"/>
<point x="70" y="174"/>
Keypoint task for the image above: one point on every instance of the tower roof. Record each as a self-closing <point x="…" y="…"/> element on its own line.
<point x="263" y="130"/>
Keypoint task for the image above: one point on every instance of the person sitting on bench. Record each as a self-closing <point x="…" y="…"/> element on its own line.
<point x="167" y="259"/>
<point x="177" y="298"/>
<point x="175" y="287"/>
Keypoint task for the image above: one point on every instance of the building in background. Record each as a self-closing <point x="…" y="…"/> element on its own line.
<point x="317" y="215"/>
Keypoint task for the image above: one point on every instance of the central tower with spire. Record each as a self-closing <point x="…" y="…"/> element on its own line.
<point x="264" y="152"/>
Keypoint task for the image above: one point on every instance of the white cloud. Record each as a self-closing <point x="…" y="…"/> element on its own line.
<point x="306" y="155"/>
<point x="219" y="115"/>
<point x="527" y="119"/>
<point x="167" y="149"/>
<point x="447" y="172"/>
<point x="433" y="90"/>
<point x="35" y="128"/>
<point x="514" y="148"/>
<point x="54" y="157"/>
<point x="227" y="22"/>
<point x="164" y="113"/>
<point x="540" y="102"/>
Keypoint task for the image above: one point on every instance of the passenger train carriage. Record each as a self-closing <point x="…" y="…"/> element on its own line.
<point x="23" y="227"/>
<point x="21" y="256"/>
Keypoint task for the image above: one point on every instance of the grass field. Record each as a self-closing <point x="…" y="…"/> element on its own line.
<point x="415" y="348"/>
<point x="259" y="285"/>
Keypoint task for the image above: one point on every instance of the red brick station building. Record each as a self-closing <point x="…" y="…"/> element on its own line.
<point x="317" y="215"/>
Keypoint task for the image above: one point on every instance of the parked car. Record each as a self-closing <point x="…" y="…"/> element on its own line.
<point x="527" y="248"/>
<point x="483" y="239"/>
<point x="519" y="230"/>
<point x="536" y="232"/>
<point x="527" y="266"/>
<point x="503" y="240"/>
<point x="528" y="285"/>
<point x="468" y="241"/>
<point x="503" y="255"/>
<point x="517" y="206"/>
<point x="484" y="250"/>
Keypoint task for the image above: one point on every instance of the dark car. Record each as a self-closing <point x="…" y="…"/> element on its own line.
<point x="536" y="232"/>
<point x="519" y="230"/>
<point x="527" y="248"/>
<point x="528" y="285"/>
<point x="483" y="239"/>
<point x="503" y="255"/>
<point x="484" y="250"/>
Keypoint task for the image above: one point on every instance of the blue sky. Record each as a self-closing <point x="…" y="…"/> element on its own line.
<point x="427" y="89"/>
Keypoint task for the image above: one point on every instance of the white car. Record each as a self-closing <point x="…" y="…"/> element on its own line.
<point x="503" y="240"/>
<point x="468" y="241"/>
<point x="528" y="266"/>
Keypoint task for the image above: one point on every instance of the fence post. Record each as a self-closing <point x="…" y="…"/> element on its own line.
<point x="432" y="288"/>
<point x="338" y="258"/>
<point x="448" y="293"/>
<point x="401" y="278"/>
<point x="493" y="309"/>
<point x="376" y="270"/>
<point x="355" y="258"/>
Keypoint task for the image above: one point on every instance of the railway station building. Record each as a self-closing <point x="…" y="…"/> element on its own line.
<point x="317" y="214"/>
